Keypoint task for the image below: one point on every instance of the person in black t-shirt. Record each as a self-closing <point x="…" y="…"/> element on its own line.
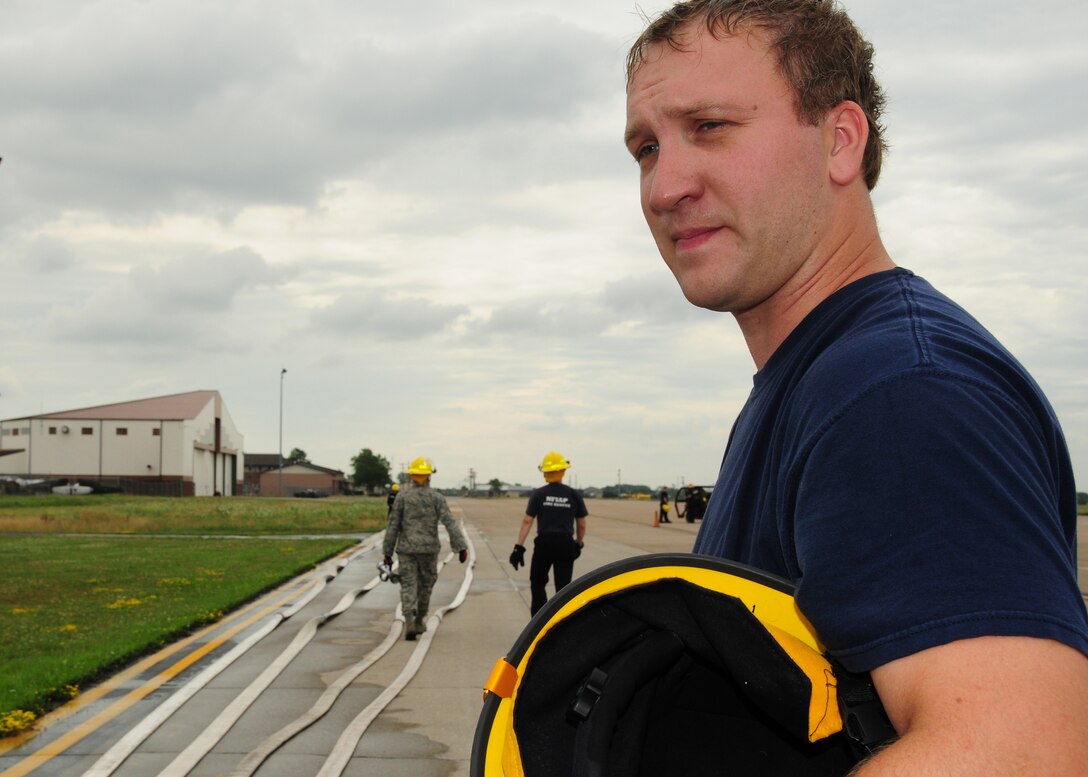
<point x="560" y="513"/>
<point x="392" y="497"/>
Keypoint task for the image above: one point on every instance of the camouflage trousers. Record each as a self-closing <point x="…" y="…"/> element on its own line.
<point x="418" y="573"/>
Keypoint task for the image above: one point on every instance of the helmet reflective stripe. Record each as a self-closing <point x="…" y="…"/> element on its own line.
<point x="714" y="656"/>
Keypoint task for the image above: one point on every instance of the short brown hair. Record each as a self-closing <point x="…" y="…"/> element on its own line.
<point x="821" y="53"/>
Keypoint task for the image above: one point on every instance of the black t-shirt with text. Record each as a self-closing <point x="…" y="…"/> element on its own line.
<point x="555" y="508"/>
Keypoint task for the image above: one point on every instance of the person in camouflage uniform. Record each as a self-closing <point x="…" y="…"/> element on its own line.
<point x="413" y="533"/>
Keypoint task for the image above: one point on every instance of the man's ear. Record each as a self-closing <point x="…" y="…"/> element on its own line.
<point x="848" y="131"/>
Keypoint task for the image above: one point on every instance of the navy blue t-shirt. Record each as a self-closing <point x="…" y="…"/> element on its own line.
<point x="555" y="507"/>
<point x="905" y="471"/>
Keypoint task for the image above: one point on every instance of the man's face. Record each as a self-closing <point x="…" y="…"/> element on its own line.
<point x="733" y="185"/>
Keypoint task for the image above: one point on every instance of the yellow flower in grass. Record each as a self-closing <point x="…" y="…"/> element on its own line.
<point x="211" y="616"/>
<point x="14" y="721"/>
<point x="119" y="603"/>
<point x="22" y="610"/>
<point x="68" y="627"/>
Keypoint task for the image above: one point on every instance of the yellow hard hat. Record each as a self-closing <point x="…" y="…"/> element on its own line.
<point x="396" y="487"/>
<point x="553" y="462"/>
<point x="422" y="466"/>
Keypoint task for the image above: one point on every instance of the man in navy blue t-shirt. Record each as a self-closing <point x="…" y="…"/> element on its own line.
<point x="893" y="459"/>
<point x="560" y="515"/>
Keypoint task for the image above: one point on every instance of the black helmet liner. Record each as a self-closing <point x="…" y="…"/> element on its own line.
<point x="672" y="664"/>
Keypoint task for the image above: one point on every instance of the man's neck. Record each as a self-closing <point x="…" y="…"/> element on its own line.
<point x="766" y="326"/>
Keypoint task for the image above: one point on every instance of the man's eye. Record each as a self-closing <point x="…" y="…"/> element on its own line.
<point x="644" y="151"/>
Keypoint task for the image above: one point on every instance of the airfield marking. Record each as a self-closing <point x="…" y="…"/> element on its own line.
<point x="62" y="743"/>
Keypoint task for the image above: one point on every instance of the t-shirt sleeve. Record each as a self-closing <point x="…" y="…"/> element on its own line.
<point x="927" y="511"/>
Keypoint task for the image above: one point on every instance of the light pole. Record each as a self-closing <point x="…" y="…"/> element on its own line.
<point x="283" y="372"/>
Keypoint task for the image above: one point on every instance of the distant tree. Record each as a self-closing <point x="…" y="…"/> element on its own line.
<point x="626" y="490"/>
<point x="1082" y="498"/>
<point x="610" y="492"/>
<point x="295" y="456"/>
<point x="369" y="470"/>
<point x="496" y="487"/>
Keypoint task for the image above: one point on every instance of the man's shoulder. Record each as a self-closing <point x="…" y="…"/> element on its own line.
<point x="890" y="336"/>
<point x="886" y="327"/>
<point x="550" y="489"/>
<point x="419" y="493"/>
<point x="560" y="489"/>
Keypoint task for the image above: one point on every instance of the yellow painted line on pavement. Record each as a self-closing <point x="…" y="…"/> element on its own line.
<point x="62" y="743"/>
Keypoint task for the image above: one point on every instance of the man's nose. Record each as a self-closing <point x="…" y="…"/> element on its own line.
<point x="673" y="178"/>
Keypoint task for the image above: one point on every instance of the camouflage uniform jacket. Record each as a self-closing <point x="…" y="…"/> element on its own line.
<point x="413" y="523"/>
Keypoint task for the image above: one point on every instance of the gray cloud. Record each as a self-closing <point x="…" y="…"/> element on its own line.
<point x="48" y="255"/>
<point x="202" y="282"/>
<point x="638" y="302"/>
<point x="184" y="300"/>
<point x="371" y="314"/>
<point x="653" y="299"/>
<point x="115" y="110"/>
<point x="541" y="319"/>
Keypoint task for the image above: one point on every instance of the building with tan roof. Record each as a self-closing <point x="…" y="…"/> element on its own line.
<point x="184" y="444"/>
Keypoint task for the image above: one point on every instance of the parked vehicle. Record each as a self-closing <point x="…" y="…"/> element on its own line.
<point x="691" y="501"/>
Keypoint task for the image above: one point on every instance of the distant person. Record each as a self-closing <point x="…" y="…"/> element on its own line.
<point x="392" y="497"/>
<point x="697" y="501"/>
<point x="663" y="504"/>
<point x="893" y="460"/>
<point x="413" y="533"/>
<point x="560" y="513"/>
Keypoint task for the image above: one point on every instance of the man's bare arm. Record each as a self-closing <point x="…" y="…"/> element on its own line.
<point x="985" y="707"/>
<point x="526" y="526"/>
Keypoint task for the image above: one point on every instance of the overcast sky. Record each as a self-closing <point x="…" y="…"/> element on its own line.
<point x="425" y="213"/>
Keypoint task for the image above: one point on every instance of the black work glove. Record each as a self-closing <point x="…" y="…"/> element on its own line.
<point x="517" y="558"/>
<point x="388" y="561"/>
<point x="577" y="549"/>
<point x="463" y="555"/>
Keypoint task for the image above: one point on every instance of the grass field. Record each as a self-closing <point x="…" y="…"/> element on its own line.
<point x="120" y="514"/>
<point x="77" y="603"/>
